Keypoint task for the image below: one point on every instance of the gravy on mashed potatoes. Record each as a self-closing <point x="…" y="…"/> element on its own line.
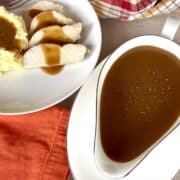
<point x="13" y="38"/>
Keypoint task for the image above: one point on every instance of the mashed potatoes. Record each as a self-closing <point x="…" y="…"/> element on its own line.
<point x="13" y="38"/>
<point x="17" y="21"/>
<point x="9" y="61"/>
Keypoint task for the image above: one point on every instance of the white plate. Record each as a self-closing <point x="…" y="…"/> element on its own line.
<point x="80" y="141"/>
<point x="33" y="90"/>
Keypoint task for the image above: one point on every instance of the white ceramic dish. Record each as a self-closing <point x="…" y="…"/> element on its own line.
<point x="111" y="168"/>
<point x="33" y="90"/>
<point x="161" y="164"/>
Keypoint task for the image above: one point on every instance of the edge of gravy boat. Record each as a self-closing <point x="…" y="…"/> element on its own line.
<point x="108" y="167"/>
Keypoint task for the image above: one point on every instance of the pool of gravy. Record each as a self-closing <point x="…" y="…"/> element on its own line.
<point x="52" y="70"/>
<point x="140" y="101"/>
<point x="52" y="58"/>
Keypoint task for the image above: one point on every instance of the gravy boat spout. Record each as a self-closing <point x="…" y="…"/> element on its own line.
<point x="107" y="166"/>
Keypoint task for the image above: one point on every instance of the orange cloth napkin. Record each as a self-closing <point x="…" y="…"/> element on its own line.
<point x="33" y="146"/>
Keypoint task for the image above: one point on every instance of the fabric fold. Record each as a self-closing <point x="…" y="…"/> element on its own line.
<point x="33" y="146"/>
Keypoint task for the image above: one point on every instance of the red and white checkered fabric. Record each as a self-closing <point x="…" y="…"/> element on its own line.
<point x="128" y="10"/>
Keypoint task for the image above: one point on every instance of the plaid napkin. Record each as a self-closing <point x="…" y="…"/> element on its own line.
<point x="128" y="10"/>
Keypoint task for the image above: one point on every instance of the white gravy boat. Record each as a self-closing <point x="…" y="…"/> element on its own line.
<point x="114" y="169"/>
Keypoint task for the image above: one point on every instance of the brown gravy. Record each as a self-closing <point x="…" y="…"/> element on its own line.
<point x="140" y="101"/>
<point x="45" y="19"/>
<point x="33" y="12"/>
<point x="52" y="57"/>
<point x="52" y="70"/>
<point x="7" y="35"/>
<point x="54" y="34"/>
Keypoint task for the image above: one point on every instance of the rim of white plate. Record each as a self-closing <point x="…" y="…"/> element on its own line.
<point x="79" y="85"/>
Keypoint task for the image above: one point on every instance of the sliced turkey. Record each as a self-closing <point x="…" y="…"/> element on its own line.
<point x="44" y="5"/>
<point x="48" y="18"/>
<point x="49" y="55"/>
<point x="57" y="34"/>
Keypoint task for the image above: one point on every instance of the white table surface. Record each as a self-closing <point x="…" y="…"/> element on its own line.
<point x="115" y="33"/>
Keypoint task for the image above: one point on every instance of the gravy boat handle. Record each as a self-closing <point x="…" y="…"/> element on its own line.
<point x="171" y="25"/>
<point x="169" y="30"/>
